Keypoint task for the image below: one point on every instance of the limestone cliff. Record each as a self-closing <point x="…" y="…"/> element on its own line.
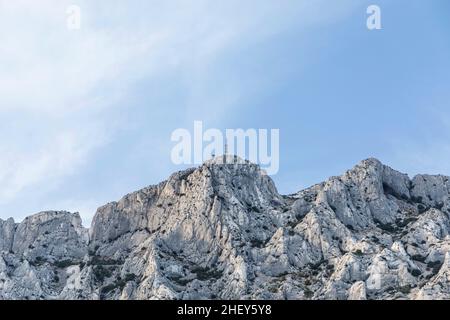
<point x="222" y="231"/>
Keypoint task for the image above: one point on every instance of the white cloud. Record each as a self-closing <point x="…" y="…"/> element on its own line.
<point x="57" y="86"/>
<point x="50" y="159"/>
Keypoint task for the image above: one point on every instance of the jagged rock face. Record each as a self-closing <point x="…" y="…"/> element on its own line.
<point x="35" y="253"/>
<point x="223" y="231"/>
<point x="7" y="229"/>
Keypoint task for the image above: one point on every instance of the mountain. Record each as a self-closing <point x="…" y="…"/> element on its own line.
<point x="222" y="231"/>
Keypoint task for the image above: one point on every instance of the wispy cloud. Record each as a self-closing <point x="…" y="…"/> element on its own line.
<point x="59" y="88"/>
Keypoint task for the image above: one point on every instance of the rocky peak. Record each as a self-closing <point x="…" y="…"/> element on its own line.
<point x="51" y="234"/>
<point x="222" y="230"/>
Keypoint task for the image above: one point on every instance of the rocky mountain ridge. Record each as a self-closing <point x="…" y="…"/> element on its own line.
<point x="222" y="231"/>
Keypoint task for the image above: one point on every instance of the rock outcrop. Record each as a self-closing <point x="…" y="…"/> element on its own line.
<point x="222" y="231"/>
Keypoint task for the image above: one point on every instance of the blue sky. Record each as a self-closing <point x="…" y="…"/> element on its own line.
<point x="87" y="115"/>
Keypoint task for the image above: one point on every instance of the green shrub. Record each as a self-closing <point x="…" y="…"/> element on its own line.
<point x="257" y="243"/>
<point x="130" y="277"/>
<point x="101" y="273"/>
<point x="418" y="257"/>
<point x="417" y="199"/>
<point x="64" y="263"/>
<point x="292" y="224"/>
<point x="204" y="274"/>
<point x="108" y="288"/>
<point x="316" y="266"/>
<point x="38" y="261"/>
<point x="350" y="227"/>
<point x="405" y="289"/>
<point x="119" y="284"/>
<point x="439" y="206"/>
<point x="416" y="272"/>
<point x="255" y="209"/>
<point x="180" y="280"/>
<point x="103" y="261"/>
<point x="422" y="208"/>
<point x="386" y="226"/>
<point x="308" y="294"/>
